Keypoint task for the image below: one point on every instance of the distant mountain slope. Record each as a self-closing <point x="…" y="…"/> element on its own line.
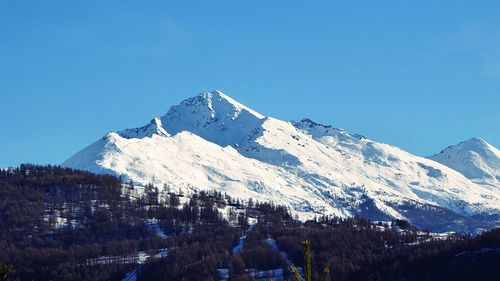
<point x="475" y="158"/>
<point x="211" y="141"/>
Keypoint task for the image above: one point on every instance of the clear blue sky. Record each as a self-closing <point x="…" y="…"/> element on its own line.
<point x="417" y="74"/>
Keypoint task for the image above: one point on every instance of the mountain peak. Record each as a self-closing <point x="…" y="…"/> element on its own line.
<point x="310" y="123"/>
<point x="318" y="130"/>
<point x="219" y="103"/>
<point x="476" y="141"/>
<point x="475" y="144"/>
<point x="154" y="127"/>
<point x="474" y="158"/>
<point x="213" y="116"/>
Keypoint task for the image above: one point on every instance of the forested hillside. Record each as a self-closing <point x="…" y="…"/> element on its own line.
<point x="64" y="224"/>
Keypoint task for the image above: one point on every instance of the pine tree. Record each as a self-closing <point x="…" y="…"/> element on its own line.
<point x="322" y="276"/>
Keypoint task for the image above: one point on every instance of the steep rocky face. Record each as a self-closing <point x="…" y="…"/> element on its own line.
<point x="211" y="141"/>
<point x="215" y="117"/>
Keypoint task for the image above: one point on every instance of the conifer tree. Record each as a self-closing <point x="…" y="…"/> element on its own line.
<point x="322" y="276"/>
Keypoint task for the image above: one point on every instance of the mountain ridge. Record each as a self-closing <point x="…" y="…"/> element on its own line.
<point x="211" y="141"/>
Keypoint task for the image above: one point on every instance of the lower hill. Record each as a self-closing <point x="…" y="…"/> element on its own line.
<point x="63" y="224"/>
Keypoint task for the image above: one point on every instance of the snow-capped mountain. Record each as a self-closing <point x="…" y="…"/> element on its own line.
<point x="476" y="159"/>
<point x="211" y="141"/>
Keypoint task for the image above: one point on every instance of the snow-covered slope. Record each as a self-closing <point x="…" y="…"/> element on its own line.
<point x="211" y="141"/>
<point x="475" y="159"/>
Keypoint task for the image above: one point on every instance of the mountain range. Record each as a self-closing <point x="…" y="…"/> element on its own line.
<point x="212" y="142"/>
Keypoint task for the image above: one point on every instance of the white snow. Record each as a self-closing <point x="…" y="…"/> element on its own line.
<point x="154" y="227"/>
<point x="132" y="276"/>
<point x="241" y="241"/>
<point x="264" y="275"/>
<point x="223" y="274"/>
<point x="213" y="142"/>
<point x="475" y="158"/>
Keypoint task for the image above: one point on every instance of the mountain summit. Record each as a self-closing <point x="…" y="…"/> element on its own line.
<point x="214" y="117"/>
<point x="475" y="158"/>
<point x="213" y="142"/>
